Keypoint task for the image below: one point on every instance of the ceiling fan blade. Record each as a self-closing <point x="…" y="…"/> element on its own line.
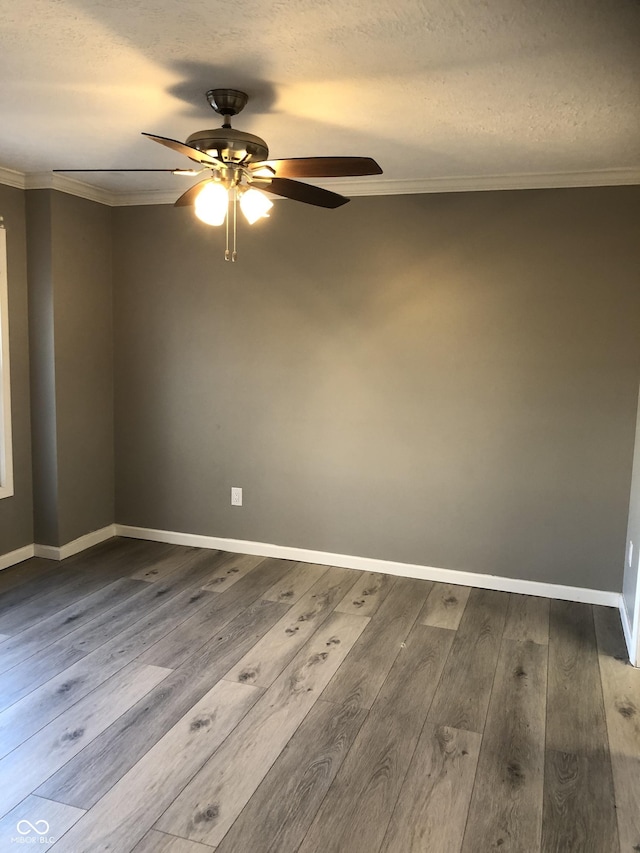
<point x="191" y="194"/>
<point x="300" y="192"/>
<point x="118" y="170"/>
<point x="322" y="167"/>
<point x="187" y="150"/>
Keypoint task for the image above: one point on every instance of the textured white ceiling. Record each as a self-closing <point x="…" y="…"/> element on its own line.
<point x="432" y="89"/>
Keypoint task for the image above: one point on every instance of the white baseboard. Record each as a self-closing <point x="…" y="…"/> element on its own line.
<point x="368" y="564"/>
<point x="628" y="634"/>
<point x="17" y="556"/>
<point x="51" y="552"/>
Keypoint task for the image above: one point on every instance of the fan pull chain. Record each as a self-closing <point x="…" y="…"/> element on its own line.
<point x="226" y="223"/>
<point x="235" y="224"/>
<point x="232" y="255"/>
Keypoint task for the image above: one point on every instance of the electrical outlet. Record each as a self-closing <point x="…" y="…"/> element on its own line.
<point x="630" y="553"/>
<point x="236" y="496"/>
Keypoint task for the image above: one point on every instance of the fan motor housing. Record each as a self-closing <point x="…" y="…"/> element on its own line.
<point x="230" y="145"/>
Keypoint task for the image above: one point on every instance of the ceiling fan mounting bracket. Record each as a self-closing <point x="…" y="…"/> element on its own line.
<point x="227" y="102"/>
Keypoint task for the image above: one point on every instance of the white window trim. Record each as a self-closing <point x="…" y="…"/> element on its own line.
<point x="6" y="446"/>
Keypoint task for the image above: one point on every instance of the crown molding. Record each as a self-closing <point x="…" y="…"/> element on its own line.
<point x="353" y="188"/>
<point x="49" y="181"/>
<point x="484" y="183"/>
<point x="149" y="197"/>
<point x="378" y="186"/>
<point x="11" y="178"/>
<point x="71" y="186"/>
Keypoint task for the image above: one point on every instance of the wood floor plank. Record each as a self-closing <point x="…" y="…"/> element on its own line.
<point x="160" y="842"/>
<point x="37" y="587"/>
<point x="192" y="565"/>
<point x="579" y="810"/>
<point x="175" y="559"/>
<point x="266" y="660"/>
<point x="128" y="810"/>
<point x="297" y="770"/>
<point x="462" y="698"/>
<point x="575" y="707"/>
<point x="42" y="577"/>
<point x="214" y="798"/>
<point x="19" y="681"/>
<point x="367" y="593"/>
<point x="141" y="605"/>
<point x="87" y="777"/>
<point x="578" y="796"/>
<point x="444" y="606"/>
<point x="125" y="554"/>
<point x="295" y="583"/>
<point x="24" y="616"/>
<point x="128" y="553"/>
<point x="432" y="808"/>
<point x="280" y="812"/>
<point x="610" y="641"/>
<point x="506" y="805"/>
<point x="527" y="619"/>
<point x="44" y="704"/>
<point x="192" y="634"/>
<point x="356" y="811"/>
<point x="57" y="817"/>
<point x="360" y="677"/>
<point x="76" y="585"/>
<point x="231" y="568"/>
<point x="21" y="646"/>
<point x="621" y="688"/>
<point x="105" y="562"/>
<point x="21" y="573"/>
<point x="22" y="770"/>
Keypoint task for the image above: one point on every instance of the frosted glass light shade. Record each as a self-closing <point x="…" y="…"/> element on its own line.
<point x="254" y="205"/>
<point x="211" y="204"/>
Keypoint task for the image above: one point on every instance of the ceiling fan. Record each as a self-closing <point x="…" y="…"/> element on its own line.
<point x="240" y="171"/>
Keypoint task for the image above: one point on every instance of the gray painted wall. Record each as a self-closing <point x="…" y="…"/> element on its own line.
<point x="16" y="513"/>
<point x="72" y="365"/>
<point x="43" y="373"/>
<point x="630" y="583"/>
<point x="449" y="380"/>
<point x="83" y="307"/>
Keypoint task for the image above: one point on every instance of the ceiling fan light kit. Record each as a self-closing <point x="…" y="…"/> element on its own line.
<point x="211" y="204"/>
<point x="241" y="172"/>
<point x="255" y="205"/>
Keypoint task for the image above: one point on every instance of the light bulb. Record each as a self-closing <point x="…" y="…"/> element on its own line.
<point x="211" y="203"/>
<point x="254" y="205"/>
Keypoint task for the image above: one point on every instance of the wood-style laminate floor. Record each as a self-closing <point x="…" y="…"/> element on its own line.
<point x="163" y="699"/>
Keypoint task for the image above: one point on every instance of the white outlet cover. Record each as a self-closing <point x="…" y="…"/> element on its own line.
<point x="236" y="496"/>
<point x="630" y="553"/>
